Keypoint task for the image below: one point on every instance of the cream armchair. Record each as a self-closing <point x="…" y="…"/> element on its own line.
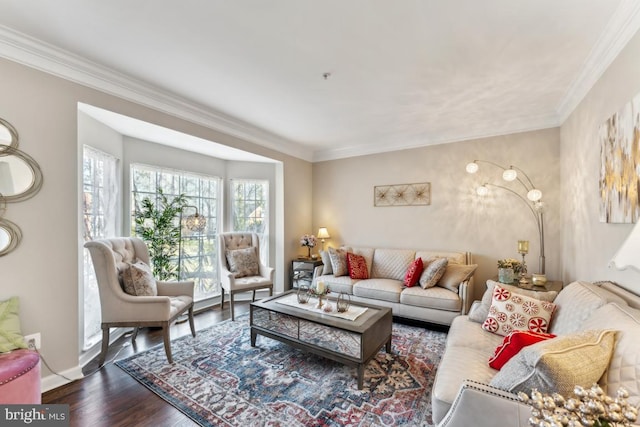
<point x="229" y="280"/>
<point x="119" y="309"/>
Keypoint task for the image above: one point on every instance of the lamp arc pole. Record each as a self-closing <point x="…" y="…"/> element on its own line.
<point x="533" y="199"/>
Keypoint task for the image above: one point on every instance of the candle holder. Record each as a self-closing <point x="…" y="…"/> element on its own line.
<point x="523" y="249"/>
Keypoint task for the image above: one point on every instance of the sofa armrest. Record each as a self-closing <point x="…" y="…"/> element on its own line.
<point x="481" y="405"/>
<point x="317" y="271"/>
<point x="465" y="294"/>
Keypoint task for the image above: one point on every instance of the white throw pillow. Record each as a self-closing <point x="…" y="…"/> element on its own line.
<point x="511" y="311"/>
<point x="480" y="311"/>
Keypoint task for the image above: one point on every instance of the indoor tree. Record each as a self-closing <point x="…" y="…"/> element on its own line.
<point x="157" y="225"/>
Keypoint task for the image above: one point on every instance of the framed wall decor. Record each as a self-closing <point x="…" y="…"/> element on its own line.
<point x="402" y="194"/>
<point x="619" y="139"/>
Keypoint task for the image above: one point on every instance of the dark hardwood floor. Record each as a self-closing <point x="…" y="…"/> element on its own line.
<point x="110" y="397"/>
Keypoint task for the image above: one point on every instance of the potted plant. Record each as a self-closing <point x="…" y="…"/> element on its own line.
<point x="508" y="269"/>
<point x="157" y="226"/>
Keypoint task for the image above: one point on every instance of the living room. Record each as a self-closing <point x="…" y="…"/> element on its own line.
<point x="40" y="98"/>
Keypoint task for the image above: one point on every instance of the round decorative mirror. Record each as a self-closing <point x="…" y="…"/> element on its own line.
<point x="20" y="175"/>
<point x="10" y="236"/>
<point x="8" y="136"/>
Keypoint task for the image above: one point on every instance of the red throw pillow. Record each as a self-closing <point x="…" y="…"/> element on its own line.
<point x="513" y="343"/>
<point x="357" y="266"/>
<point x="413" y="273"/>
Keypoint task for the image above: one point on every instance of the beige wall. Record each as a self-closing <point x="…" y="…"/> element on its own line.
<point x="457" y="218"/>
<point x="589" y="245"/>
<point x="43" y="270"/>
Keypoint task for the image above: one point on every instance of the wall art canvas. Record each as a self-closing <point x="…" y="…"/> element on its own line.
<point x="620" y="165"/>
<point x="402" y="194"/>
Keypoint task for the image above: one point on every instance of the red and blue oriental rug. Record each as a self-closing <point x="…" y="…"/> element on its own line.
<point x="218" y="379"/>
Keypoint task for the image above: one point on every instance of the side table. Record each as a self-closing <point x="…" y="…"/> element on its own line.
<point x="551" y="285"/>
<point x="302" y="271"/>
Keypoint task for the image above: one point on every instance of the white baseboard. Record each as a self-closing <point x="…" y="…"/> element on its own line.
<point x="54" y="381"/>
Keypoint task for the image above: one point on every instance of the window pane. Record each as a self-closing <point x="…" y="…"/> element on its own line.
<point x="196" y="256"/>
<point x="249" y="211"/>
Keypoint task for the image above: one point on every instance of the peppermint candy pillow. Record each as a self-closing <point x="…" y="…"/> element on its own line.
<point x="510" y="312"/>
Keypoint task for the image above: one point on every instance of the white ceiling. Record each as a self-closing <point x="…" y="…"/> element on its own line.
<point x="403" y="73"/>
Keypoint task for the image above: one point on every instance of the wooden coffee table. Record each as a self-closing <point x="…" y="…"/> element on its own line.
<point x="351" y="342"/>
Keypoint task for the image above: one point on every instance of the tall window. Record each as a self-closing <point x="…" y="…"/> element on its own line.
<point x="198" y="252"/>
<point x="250" y="210"/>
<point x="99" y="213"/>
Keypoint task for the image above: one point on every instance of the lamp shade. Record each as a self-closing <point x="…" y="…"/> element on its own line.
<point x="629" y="253"/>
<point x="323" y="233"/>
<point x="509" y="174"/>
<point x="472" y="167"/>
<point x="195" y="222"/>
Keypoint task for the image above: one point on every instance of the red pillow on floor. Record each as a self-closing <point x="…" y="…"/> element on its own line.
<point x="413" y="273"/>
<point x="513" y="343"/>
<point x="357" y="266"/>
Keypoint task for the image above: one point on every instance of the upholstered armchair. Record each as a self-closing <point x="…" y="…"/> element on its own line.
<point x="240" y="267"/>
<point x="118" y="257"/>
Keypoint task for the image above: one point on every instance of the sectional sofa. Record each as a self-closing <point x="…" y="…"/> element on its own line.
<point x="384" y="286"/>
<point x="468" y="392"/>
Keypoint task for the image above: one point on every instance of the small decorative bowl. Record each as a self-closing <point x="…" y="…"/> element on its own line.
<point x="539" y="279"/>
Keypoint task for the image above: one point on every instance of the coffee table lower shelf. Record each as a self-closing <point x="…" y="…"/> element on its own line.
<point x="353" y="343"/>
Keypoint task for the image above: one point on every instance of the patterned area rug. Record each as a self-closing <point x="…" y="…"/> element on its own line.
<point x="218" y="379"/>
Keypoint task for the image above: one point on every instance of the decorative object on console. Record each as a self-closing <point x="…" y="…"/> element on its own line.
<point x="323" y="234"/>
<point x="619" y="165"/>
<point x="20" y="179"/>
<point x="343" y="303"/>
<point x="402" y="194"/>
<point x="590" y="407"/>
<point x="507" y="267"/>
<point x="523" y="249"/>
<point x="309" y="241"/>
<point x="627" y="255"/>
<point x="303" y="294"/>
<point x="533" y="198"/>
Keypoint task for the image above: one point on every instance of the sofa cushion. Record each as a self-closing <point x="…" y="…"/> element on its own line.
<point x="436" y="297"/>
<point x="624" y="367"/>
<point x="338" y="261"/>
<point x="357" y="266"/>
<point x="453" y="257"/>
<point x="433" y="271"/>
<point x="558" y="364"/>
<point x="511" y="311"/>
<point x="413" y="273"/>
<point x="380" y="289"/>
<point x="391" y="263"/>
<point x="479" y="312"/>
<point x="576" y="303"/>
<point x="454" y="274"/>
<point x="512" y="344"/>
<point x="464" y="332"/>
<point x="338" y="284"/>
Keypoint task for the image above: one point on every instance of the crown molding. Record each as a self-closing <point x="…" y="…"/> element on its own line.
<point x="492" y="130"/>
<point x="34" y="53"/>
<point x="622" y="26"/>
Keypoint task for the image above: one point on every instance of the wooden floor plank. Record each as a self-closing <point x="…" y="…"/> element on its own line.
<point x="110" y="397"/>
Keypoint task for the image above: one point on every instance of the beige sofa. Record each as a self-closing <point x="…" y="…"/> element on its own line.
<point x="384" y="287"/>
<point x="462" y="395"/>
